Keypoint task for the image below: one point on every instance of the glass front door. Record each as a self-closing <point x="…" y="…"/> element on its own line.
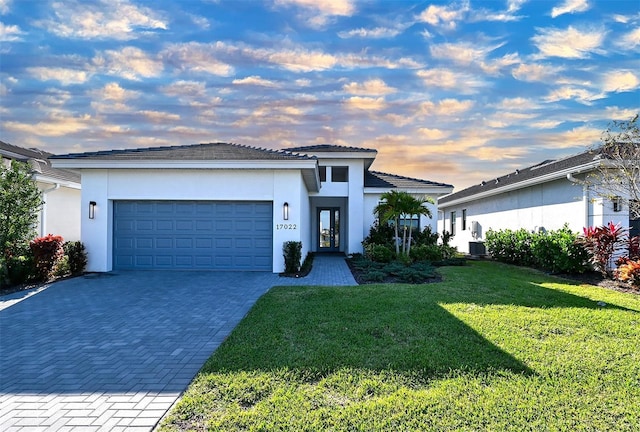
<point x="329" y="229"/>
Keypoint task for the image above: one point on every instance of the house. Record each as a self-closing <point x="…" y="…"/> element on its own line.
<point x="545" y="196"/>
<point x="60" y="213"/>
<point x="227" y="206"/>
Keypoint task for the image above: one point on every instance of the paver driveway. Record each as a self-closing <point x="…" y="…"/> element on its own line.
<point x="114" y="351"/>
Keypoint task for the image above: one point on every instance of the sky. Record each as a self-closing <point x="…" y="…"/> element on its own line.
<point x="453" y="92"/>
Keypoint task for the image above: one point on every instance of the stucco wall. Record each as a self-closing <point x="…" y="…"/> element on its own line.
<point x="60" y="215"/>
<point x="105" y="186"/>
<point x="545" y="206"/>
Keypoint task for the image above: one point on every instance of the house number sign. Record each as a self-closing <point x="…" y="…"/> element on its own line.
<point x="286" y="226"/>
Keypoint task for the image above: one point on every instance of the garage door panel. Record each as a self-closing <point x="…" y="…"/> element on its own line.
<point x="190" y="234"/>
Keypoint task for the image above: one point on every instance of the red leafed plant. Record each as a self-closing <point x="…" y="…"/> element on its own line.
<point x="602" y="242"/>
<point x="629" y="272"/>
<point x="47" y="251"/>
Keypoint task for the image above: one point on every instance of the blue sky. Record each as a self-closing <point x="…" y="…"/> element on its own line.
<point x="455" y="92"/>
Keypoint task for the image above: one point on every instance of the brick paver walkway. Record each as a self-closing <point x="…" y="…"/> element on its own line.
<point x="115" y="351"/>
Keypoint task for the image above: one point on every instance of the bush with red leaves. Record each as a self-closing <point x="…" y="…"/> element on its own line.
<point x="47" y="251"/>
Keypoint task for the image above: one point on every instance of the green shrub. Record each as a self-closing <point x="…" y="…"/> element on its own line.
<point x="559" y="252"/>
<point x="415" y="275"/>
<point x="374" y="276"/>
<point x="394" y="268"/>
<point x="426" y="253"/>
<point x="381" y="234"/>
<point x="76" y="256"/>
<point x="554" y="251"/>
<point x="292" y="251"/>
<point x="20" y="266"/>
<point x="307" y="264"/>
<point x="426" y="237"/>
<point x="62" y="267"/>
<point x="379" y="253"/>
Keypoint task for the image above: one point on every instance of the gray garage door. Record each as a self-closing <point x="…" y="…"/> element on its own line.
<point x="217" y="235"/>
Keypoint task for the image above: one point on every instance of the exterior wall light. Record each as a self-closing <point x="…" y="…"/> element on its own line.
<point x="285" y="211"/>
<point x="92" y="209"/>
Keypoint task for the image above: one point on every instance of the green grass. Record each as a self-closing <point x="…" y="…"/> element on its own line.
<point x="492" y="347"/>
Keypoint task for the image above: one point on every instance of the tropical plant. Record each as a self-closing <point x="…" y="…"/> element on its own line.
<point x="390" y="209"/>
<point x="413" y="206"/>
<point x="47" y="251"/>
<point x="602" y="243"/>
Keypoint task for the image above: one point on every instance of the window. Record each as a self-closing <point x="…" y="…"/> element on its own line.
<point x="340" y="174"/>
<point x="464" y="219"/>
<point x="412" y="222"/>
<point x="323" y="173"/>
<point x="617" y="204"/>
<point x="453" y="223"/>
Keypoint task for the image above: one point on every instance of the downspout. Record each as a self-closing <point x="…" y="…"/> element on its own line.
<point x="585" y="197"/>
<point x="43" y="210"/>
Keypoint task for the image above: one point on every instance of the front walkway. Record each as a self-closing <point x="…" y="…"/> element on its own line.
<point x="114" y="351"/>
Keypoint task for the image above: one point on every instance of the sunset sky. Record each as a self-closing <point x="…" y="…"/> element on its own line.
<point x="454" y="92"/>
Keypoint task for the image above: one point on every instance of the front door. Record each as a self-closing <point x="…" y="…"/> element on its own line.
<point x="329" y="229"/>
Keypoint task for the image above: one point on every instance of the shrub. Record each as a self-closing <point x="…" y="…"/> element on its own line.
<point x="415" y="275"/>
<point x="19" y="265"/>
<point x="374" y="276"/>
<point x="509" y="246"/>
<point x="602" y="243"/>
<point x="47" y="251"/>
<point x="379" y="253"/>
<point x="629" y="272"/>
<point x="431" y="252"/>
<point x="307" y="264"/>
<point x="394" y="268"/>
<point x="76" y="256"/>
<point x="559" y="252"/>
<point x="381" y="234"/>
<point x="426" y="237"/>
<point x="292" y="251"/>
<point x="62" y="267"/>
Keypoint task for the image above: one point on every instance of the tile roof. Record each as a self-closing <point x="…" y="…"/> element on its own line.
<point x="375" y="179"/>
<point x="39" y="161"/>
<point x="330" y="148"/>
<point x="210" y="151"/>
<point x="541" y="169"/>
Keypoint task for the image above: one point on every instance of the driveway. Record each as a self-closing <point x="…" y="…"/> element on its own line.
<point x="114" y="351"/>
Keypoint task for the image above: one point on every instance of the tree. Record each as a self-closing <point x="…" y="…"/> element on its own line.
<point x="396" y="206"/>
<point x="618" y="177"/>
<point x="415" y="206"/>
<point x="390" y="209"/>
<point x="20" y="201"/>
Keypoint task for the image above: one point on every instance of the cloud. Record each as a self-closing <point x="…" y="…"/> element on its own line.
<point x="255" y="80"/>
<point x="365" y="103"/>
<point x="464" y="82"/>
<point x="444" y="16"/>
<point x="581" y="95"/>
<point x="582" y="136"/>
<point x="569" y="43"/>
<point x="462" y="52"/>
<point x="185" y="89"/>
<point x="433" y="134"/>
<point x="370" y="87"/>
<point x="57" y="124"/>
<point x="494" y="154"/>
<point x="534" y="72"/>
<point x="545" y="124"/>
<point x="446" y="107"/>
<point x="517" y="103"/>
<point x="63" y="75"/>
<point x="373" y="33"/>
<point x="620" y="81"/>
<point x="159" y="116"/>
<point x="130" y="62"/>
<point x="113" y="91"/>
<point x="10" y="33"/>
<point x="326" y="7"/>
<point x="197" y="57"/>
<point x="630" y="40"/>
<point x="515" y="5"/>
<point x="5" y="6"/>
<point x="107" y="19"/>
<point x="571" y="7"/>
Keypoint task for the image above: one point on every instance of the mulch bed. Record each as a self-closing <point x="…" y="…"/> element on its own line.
<point x="595" y="278"/>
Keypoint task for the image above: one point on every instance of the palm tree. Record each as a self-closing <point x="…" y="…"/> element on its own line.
<point x="415" y="206"/>
<point x="389" y="209"/>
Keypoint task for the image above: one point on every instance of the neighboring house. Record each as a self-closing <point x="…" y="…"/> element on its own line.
<point x="60" y="213"/>
<point x="227" y="206"/>
<point x="542" y="197"/>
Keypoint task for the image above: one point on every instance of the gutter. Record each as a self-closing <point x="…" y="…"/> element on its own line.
<point x="585" y="196"/>
<point x="43" y="210"/>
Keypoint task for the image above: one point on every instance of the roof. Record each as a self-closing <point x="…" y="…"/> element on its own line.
<point x="541" y="171"/>
<point x="330" y="148"/>
<point x="375" y="179"/>
<point x="210" y="151"/>
<point x="39" y="161"/>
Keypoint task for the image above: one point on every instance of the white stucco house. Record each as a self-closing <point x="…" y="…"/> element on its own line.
<point x="60" y="188"/>
<point x="228" y="206"/>
<point x="541" y="197"/>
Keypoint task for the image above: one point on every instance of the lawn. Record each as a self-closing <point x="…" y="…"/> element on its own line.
<point x="491" y="347"/>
